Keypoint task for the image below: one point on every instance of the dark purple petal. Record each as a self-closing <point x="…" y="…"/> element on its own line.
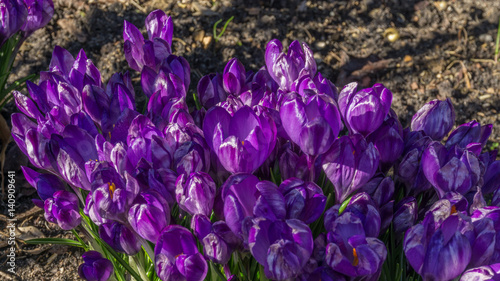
<point x="120" y="238"/>
<point x="62" y="61"/>
<point x="95" y="267"/>
<point x="435" y="118"/>
<point x="159" y="25"/>
<point x="62" y="208"/>
<point x="195" y="193"/>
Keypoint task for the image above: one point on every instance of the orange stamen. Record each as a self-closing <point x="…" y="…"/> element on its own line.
<point x="112" y="188"/>
<point x="355" y="261"/>
<point x="453" y="210"/>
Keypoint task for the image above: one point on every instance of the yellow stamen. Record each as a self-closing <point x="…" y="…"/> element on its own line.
<point x="242" y="142"/>
<point x="112" y="188"/>
<point x="453" y="210"/>
<point x="109" y="133"/>
<point x="179" y="255"/>
<point x="355" y="261"/>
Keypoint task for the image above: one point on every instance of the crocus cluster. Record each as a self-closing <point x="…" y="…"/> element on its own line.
<point x="22" y="17"/>
<point x="18" y="20"/>
<point x="271" y="173"/>
<point x="25" y="16"/>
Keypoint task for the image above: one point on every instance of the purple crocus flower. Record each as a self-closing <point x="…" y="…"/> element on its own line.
<point x="435" y="119"/>
<point x="13" y="15"/>
<point x="486" y="245"/>
<point x="491" y="178"/>
<point x="438" y="251"/>
<point x="451" y="169"/>
<point x="282" y="247"/>
<point x="246" y="197"/>
<point x="242" y="142"/>
<point x="152" y="52"/>
<point x="195" y="193"/>
<point x="484" y="248"/>
<point x="95" y="267"/>
<point x="92" y="212"/>
<point x="162" y="85"/>
<point x="45" y="184"/>
<point x="112" y="199"/>
<point x="172" y="64"/>
<point x="365" y="110"/>
<point x="409" y="169"/>
<point x="381" y="191"/>
<point x="234" y="77"/>
<point x="348" y="249"/>
<point x="295" y="165"/>
<point x="264" y="79"/>
<point x="177" y="256"/>
<point x="471" y="132"/>
<point x="159" y="25"/>
<point x="388" y="139"/>
<point x="211" y="90"/>
<point x="306" y="85"/>
<point x="313" y="123"/>
<point x="239" y="194"/>
<point x="360" y="214"/>
<point x="350" y="164"/>
<point x="120" y="238"/>
<point x="482" y="273"/>
<point x="285" y="68"/>
<point x="32" y="143"/>
<point x="192" y="157"/>
<point x="39" y="14"/>
<point x="77" y="72"/>
<point x="62" y="208"/>
<point x="70" y="151"/>
<point x="405" y="214"/>
<point x="149" y="215"/>
<point x="304" y="200"/>
<point x="27" y="106"/>
<point x="218" y="240"/>
<point x="359" y="257"/>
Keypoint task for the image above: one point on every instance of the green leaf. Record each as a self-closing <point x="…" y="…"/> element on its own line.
<point x="215" y="269"/>
<point x="344" y="205"/>
<point x="217" y="37"/>
<point x="196" y="101"/>
<point x="87" y="225"/>
<point x="58" y="241"/>
<point x="80" y="240"/>
<point x="19" y="83"/>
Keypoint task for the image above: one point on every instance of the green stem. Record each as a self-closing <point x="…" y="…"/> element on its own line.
<point x="110" y="250"/>
<point x="84" y="246"/>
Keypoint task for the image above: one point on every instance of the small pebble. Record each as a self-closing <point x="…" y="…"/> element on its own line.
<point x="206" y="41"/>
<point x="320" y="44"/>
<point x="198" y="35"/>
<point x="483" y="97"/>
<point x="485" y="38"/>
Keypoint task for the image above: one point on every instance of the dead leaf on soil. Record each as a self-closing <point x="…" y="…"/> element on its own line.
<point x="29" y="232"/>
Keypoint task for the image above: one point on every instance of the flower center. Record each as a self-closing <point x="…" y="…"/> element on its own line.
<point x="112" y="188"/>
<point x="453" y="210"/>
<point x="355" y="261"/>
